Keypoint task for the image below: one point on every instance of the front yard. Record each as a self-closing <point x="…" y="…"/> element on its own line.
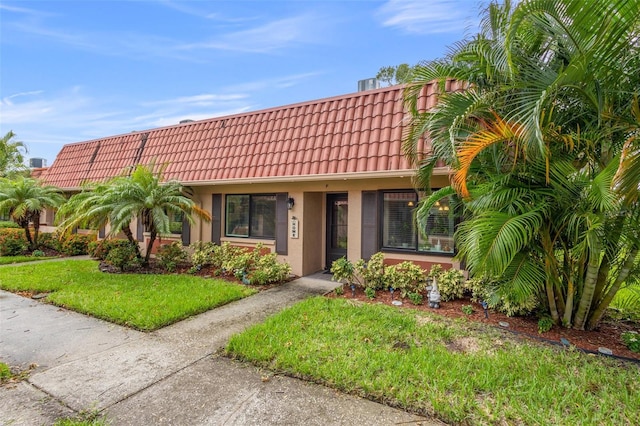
<point x="458" y="371"/>
<point x="141" y="301"/>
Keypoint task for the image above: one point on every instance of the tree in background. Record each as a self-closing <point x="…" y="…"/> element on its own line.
<point x="398" y="74"/>
<point x="544" y="145"/>
<point x="24" y="199"/>
<point x="141" y="195"/>
<point x="11" y="155"/>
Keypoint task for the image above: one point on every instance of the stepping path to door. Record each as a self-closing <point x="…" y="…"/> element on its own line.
<point x="172" y="376"/>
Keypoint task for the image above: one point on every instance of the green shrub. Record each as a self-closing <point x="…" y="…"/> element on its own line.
<point x="8" y="224"/>
<point x="76" y="244"/>
<point x="339" y="291"/>
<point x="370" y="292"/>
<point x="451" y="284"/>
<point x="632" y="340"/>
<point x="203" y="255"/>
<point x="545" y="324"/>
<point x="343" y="270"/>
<point x="267" y="269"/>
<point x="488" y="289"/>
<point x="37" y="253"/>
<point x="467" y="309"/>
<point x="100" y="249"/>
<point x="406" y="277"/>
<point x="415" y="298"/>
<point x="372" y="271"/>
<point x="12" y="242"/>
<point x="49" y="240"/>
<point x="122" y="257"/>
<point x="171" y="255"/>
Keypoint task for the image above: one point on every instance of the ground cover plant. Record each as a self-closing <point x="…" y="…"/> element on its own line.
<point x="142" y="301"/>
<point x="447" y="368"/>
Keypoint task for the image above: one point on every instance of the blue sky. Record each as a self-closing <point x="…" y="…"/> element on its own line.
<point x="77" y="70"/>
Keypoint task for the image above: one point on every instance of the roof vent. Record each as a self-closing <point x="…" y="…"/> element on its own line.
<point x="368" y="84"/>
<point x="186" y="121"/>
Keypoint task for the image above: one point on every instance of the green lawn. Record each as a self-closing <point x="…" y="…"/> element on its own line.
<point x="8" y="260"/>
<point x="142" y="301"/>
<point x="455" y="370"/>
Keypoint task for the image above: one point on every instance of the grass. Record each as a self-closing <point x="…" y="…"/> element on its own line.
<point x="453" y="370"/>
<point x="142" y="301"/>
<point x="5" y="372"/>
<point x="8" y="260"/>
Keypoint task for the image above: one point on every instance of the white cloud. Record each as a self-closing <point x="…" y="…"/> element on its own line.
<point x="266" y="38"/>
<point x="428" y="17"/>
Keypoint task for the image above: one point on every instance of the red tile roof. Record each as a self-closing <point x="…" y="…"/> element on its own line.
<point x="344" y="135"/>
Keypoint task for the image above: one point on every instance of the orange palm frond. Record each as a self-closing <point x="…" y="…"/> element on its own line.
<point x="493" y="132"/>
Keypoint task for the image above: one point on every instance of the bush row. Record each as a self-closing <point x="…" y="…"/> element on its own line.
<point x="411" y="281"/>
<point x="13" y="242"/>
<point x="256" y="266"/>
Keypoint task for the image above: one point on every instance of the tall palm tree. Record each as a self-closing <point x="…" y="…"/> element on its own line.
<point x="24" y="199"/>
<point x="11" y="154"/>
<point x="542" y="145"/>
<point x="141" y="195"/>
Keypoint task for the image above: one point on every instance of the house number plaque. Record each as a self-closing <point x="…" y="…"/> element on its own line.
<point x="294" y="227"/>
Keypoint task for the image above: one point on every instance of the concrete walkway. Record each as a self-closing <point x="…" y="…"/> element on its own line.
<point x="172" y="376"/>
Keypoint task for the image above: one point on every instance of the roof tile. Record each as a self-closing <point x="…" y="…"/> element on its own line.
<point x="358" y="132"/>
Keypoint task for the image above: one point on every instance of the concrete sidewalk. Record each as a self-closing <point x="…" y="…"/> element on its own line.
<point x="169" y="377"/>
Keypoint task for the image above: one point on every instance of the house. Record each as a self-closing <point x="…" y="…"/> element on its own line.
<point x="312" y="181"/>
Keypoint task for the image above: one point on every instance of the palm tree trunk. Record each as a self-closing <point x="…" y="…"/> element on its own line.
<point x="152" y="239"/>
<point x="588" y="289"/>
<point x="568" y="310"/>
<point x="550" y="281"/>
<point x="625" y="270"/>
<point x="36" y="229"/>
<point x="127" y="232"/>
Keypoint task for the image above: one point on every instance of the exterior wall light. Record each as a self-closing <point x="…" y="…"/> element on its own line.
<point x="290" y="203"/>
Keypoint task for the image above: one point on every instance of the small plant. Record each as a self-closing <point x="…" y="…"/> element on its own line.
<point x="415" y="298"/>
<point x="37" y="253"/>
<point x="122" y="257"/>
<point x="545" y="324"/>
<point x="370" y="292"/>
<point x="171" y="255"/>
<point x="339" y="291"/>
<point x="343" y="270"/>
<point x="632" y="340"/>
<point x="5" y="372"/>
<point x="467" y="309"/>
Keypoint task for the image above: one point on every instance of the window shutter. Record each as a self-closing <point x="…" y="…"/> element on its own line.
<point x="370" y="212"/>
<point x="139" y="230"/>
<point x="216" y="218"/>
<point x="186" y="232"/>
<point x="101" y="233"/>
<point x="282" y="225"/>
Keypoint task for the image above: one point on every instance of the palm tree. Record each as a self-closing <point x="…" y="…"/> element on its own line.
<point x="542" y="144"/>
<point x="24" y="199"/>
<point x="11" y="157"/>
<point x="141" y="195"/>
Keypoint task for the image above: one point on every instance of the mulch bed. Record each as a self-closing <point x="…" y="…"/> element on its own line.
<point x="607" y="335"/>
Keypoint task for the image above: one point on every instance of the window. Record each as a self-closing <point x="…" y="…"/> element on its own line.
<point x="250" y="216"/>
<point x="399" y="230"/>
<point x="175" y="222"/>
